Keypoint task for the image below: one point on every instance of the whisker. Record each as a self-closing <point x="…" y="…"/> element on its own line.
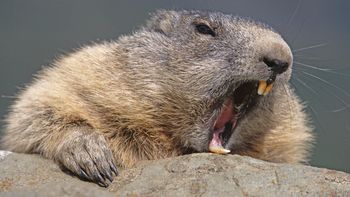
<point x="346" y="105"/>
<point x="313" y="112"/>
<point x="328" y="70"/>
<point x="306" y="85"/>
<point x="310" y="57"/>
<point x="314" y="67"/>
<point x="294" y="13"/>
<point x="310" y="47"/>
<point x="327" y="82"/>
<point x="8" y="97"/>
<point x="340" y="109"/>
<point x="289" y="105"/>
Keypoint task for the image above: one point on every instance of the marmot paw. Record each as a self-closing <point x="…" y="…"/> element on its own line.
<point x="89" y="157"/>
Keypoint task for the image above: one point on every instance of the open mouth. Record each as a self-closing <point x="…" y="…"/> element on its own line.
<point x="235" y="106"/>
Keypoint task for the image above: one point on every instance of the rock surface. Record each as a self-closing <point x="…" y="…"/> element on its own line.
<point x="190" y="175"/>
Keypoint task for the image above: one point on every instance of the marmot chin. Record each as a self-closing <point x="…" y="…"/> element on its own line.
<point x="187" y="81"/>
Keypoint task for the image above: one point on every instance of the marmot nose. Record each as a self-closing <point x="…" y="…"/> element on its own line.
<point x="276" y="54"/>
<point x="277" y="65"/>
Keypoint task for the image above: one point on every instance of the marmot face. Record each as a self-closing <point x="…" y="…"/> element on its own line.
<point x="220" y="65"/>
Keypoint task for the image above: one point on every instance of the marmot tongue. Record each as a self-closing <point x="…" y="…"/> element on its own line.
<point x="227" y="115"/>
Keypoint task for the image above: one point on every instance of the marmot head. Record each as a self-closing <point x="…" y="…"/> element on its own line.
<point x="211" y="70"/>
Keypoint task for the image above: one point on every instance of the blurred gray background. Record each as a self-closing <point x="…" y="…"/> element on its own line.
<point x="32" y="33"/>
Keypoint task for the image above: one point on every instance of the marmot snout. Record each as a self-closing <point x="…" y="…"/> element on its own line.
<point x="188" y="81"/>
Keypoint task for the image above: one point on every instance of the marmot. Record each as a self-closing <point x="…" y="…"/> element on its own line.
<point x="187" y="81"/>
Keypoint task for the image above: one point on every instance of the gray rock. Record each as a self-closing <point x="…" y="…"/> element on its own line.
<point x="31" y="175"/>
<point x="190" y="175"/>
<point x="3" y="154"/>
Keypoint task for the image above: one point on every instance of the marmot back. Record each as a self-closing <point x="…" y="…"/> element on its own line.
<point x="188" y="81"/>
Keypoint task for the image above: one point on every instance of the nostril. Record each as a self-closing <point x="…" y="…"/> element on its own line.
<point x="276" y="65"/>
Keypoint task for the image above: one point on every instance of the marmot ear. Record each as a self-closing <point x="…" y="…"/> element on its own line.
<point x="163" y="21"/>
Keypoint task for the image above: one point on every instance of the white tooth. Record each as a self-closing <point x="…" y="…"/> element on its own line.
<point x="268" y="89"/>
<point x="218" y="150"/>
<point x="262" y="87"/>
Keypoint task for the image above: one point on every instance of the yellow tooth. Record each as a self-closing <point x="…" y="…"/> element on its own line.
<point x="262" y="87"/>
<point x="218" y="150"/>
<point x="268" y="89"/>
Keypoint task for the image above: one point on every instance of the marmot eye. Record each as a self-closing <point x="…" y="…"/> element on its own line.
<point x="205" y="29"/>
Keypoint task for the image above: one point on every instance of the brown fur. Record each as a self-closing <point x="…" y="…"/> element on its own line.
<point x="153" y="94"/>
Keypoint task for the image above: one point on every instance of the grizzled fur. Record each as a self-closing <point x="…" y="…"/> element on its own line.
<point x="155" y="94"/>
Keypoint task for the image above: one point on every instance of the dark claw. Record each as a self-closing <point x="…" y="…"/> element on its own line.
<point x="105" y="183"/>
<point x="109" y="176"/>
<point x="108" y="182"/>
<point x="102" y="184"/>
<point x="83" y="175"/>
<point x="114" y="169"/>
<point x="98" y="178"/>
